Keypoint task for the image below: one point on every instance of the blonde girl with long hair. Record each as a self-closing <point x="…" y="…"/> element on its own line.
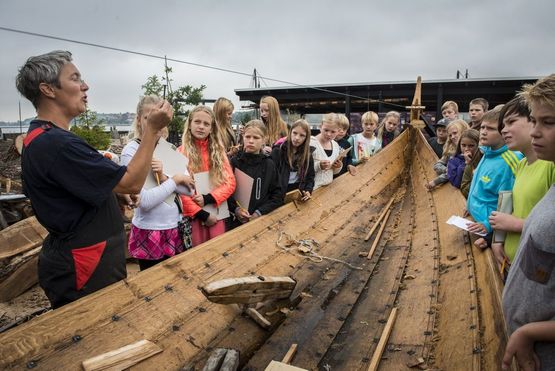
<point x="277" y="128"/>
<point x="389" y="128"/>
<point x="201" y="144"/>
<point x="294" y="161"/>
<point x="223" y="111"/>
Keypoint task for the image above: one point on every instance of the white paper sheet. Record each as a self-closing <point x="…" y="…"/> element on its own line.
<point x="461" y="223"/>
<point x="202" y="185"/>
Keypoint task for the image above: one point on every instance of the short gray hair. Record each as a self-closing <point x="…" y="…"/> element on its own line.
<point x="43" y="68"/>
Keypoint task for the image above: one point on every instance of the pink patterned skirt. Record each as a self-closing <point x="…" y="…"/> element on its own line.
<point x="148" y="244"/>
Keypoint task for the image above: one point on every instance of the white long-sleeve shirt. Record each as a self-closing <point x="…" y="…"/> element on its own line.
<point x="153" y="213"/>
<point x="323" y="177"/>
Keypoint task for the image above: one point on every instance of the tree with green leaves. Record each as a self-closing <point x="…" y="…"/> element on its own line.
<point x="88" y="127"/>
<point x="179" y="98"/>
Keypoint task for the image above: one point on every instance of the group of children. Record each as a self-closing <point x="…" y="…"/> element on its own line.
<point x="512" y="153"/>
<point x="278" y="159"/>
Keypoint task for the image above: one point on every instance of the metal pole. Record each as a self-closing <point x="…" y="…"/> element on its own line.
<point x="20" y="126"/>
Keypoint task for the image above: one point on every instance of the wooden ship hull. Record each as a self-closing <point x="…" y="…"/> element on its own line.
<point x="446" y="294"/>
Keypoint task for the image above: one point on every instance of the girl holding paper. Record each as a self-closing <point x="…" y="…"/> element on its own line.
<point x="293" y="159"/>
<point x="202" y="146"/>
<point x="154" y="235"/>
<point x="266" y="194"/>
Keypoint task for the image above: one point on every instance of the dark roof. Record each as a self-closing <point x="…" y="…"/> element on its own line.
<point x="395" y="94"/>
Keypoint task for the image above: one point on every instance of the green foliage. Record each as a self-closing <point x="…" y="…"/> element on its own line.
<point x="179" y="98"/>
<point x="245" y="117"/>
<point x="89" y="128"/>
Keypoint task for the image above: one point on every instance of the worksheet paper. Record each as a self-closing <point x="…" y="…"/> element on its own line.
<point x="202" y="185"/>
<point x="243" y="189"/>
<point x="461" y="223"/>
<point x="173" y="163"/>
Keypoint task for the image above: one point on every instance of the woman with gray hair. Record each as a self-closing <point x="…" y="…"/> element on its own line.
<point x="71" y="186"/>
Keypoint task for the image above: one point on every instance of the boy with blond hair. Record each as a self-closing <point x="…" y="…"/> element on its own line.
<point x="366" y="144"/>
<point x="528" y="300"/>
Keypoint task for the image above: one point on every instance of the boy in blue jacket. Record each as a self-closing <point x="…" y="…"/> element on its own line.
<point x="495" y="173"/>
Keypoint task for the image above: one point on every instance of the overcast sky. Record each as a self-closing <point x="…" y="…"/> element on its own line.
<point x="306" y="42"/>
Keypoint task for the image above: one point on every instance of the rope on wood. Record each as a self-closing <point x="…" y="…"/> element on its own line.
<point x="305" y="248"/>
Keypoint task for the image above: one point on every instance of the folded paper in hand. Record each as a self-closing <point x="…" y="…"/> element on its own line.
<point x="461" y="223"/>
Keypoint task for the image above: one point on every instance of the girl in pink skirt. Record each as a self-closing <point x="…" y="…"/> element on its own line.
<point x="154" y="234"/>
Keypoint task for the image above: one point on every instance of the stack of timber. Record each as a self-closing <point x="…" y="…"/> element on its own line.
<point x="424" y="297"/>
<point x="20" y="244"/>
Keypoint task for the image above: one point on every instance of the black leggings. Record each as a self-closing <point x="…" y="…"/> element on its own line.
<point x="145" y="264"/>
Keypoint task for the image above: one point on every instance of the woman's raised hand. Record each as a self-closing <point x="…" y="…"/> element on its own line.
<point x="160" y="116"/>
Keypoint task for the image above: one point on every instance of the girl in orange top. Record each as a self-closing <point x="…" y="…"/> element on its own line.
<point x="201" y="144"/>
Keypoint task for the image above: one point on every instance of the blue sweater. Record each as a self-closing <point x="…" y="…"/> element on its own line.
<point x="495" y="172"/>
<point x="455" y="170"/>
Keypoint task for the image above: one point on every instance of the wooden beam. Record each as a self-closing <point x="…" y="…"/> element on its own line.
<point x="375" y="362"/>
<point x="382" y="214"/>
<point x="293" y="195"/>
<point x="123" y="357"/>
<point x="248" y="290"/>
<point x="290" y="354"/>
<point x="20" y="279"/>
<point x="379" y="235"/>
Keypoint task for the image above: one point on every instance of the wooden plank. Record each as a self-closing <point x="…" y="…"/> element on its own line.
<point x="290" y="354"/>
<point x="122" y="358"/>
<point x="457" y="287"/>
<point x="382" y="214"/>
<point x="21" y="237"/>
<point x="293" y="195"/>
<point x="20" y="279"/>
<point x="247" y="290"/>
<point x="378" y="236"/>
<point x="280" y="366"/>
<point x="375" y="362"/>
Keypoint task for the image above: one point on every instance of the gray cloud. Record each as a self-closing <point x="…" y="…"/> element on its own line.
<point x="308" y="42"/>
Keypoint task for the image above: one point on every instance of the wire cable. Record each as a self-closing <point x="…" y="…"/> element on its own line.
<point x="190" y="63"/>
